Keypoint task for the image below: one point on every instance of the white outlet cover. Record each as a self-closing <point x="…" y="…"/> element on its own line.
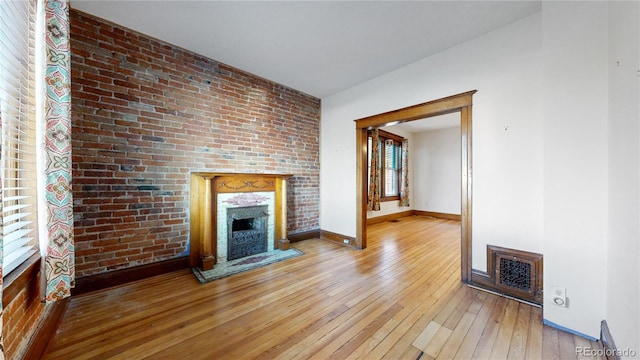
<point x="561" y="292"/>
<point x="560" y="296"/>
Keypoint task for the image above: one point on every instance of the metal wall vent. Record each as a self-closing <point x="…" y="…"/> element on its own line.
<point x="516" y="273"/>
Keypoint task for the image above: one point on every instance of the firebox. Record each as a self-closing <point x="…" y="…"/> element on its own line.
<point x="247" y="231"/>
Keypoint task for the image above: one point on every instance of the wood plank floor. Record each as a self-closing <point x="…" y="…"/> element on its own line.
<point x="401" y="298"/>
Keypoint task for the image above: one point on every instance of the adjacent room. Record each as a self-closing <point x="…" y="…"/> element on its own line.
<point x="320" y="179"/>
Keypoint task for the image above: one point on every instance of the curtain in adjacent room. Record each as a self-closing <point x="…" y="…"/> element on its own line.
<point x="373" y="200"/>
<point x="59" y="264"/>
<point x="404" y="178"/>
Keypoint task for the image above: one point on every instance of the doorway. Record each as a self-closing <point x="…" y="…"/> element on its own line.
<point x="461" y="103"/>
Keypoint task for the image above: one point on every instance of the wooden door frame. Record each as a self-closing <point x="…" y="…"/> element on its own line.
<point x="456" y="103"/>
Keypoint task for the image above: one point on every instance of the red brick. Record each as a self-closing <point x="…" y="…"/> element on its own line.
<point x="162" y="113"/>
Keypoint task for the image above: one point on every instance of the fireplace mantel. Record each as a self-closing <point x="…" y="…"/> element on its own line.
<point x="203" y="192"/>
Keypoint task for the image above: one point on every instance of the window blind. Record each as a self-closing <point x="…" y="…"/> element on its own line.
<point x="17" y="115"/>
<point x="391" y="160"/>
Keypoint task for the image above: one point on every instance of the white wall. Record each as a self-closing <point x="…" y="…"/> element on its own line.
<point x="575" y="161"/>
<point x="551" y="172"/>
<point x="436" y="174"/>
<point x="623" y="254"/>
<point x="505" y="67"/>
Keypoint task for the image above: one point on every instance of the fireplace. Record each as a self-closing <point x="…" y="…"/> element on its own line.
<point x="250" y="210"/>
<point x="250" y="203"/>
<point x="246" y="231"/>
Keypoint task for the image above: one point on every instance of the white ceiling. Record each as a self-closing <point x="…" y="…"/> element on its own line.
<point x="318" y="47"/>
<point x="432" y="123"/>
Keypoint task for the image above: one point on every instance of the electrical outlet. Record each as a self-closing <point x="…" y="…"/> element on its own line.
<point x="559" y="296"/>
<point x="346" y="241"/>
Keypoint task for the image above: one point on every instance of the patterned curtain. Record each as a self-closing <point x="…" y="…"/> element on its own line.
<point x="404" y="178"/>
<point x="373" y="200"/>
<point x="59" y="264"/>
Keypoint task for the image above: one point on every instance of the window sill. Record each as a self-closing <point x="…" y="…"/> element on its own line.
<point x="25" y="275"/>
<point x="390" y="198"/>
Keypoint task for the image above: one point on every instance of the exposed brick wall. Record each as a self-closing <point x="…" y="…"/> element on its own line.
<point x="21" y="318"/>
<point x="145" y="115"/>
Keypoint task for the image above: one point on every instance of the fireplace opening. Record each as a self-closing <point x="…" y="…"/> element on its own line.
<point x="247" y="231"/>
<point x="243" y="224"/>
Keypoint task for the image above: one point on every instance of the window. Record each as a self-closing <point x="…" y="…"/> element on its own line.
<point x="18" y="120"/>
<point x="392" y="168"/>
<point x="391" y="164"/>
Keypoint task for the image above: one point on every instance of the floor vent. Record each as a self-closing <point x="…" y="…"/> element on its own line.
<point x="516" y="273"/>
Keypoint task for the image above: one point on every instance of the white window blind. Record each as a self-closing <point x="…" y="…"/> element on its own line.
<point x="17" y="114"/>
<point x="391" y="167"/>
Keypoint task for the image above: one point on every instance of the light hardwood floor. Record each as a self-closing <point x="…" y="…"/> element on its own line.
<point x="401" y="298"/>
